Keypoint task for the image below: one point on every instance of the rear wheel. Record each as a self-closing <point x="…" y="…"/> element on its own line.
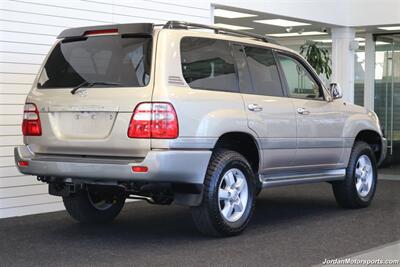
<point x="93" y="207"/>
<point x="228" y="199"/>
<point x="358" y="189"/>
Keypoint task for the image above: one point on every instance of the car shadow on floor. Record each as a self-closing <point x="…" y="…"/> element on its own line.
<point x="292" y="226"/>
<point x="141" y="221"/>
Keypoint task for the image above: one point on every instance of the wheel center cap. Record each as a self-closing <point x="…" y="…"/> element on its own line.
<point x="234" y="196"/>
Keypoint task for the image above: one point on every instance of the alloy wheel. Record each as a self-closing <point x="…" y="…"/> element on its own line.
<point x="364" y="175"/>
<point x="233" y="195"/>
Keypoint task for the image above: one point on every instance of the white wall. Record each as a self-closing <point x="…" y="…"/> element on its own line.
<point x="27" y="30"/>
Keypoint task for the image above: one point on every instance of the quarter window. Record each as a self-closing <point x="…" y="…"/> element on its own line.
<point x="299" y="81"/>
<point x="263" y="71"/>
<point x="208" y="64"/>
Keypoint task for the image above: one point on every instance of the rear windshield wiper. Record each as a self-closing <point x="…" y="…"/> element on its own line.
<point x="90" y="84"/>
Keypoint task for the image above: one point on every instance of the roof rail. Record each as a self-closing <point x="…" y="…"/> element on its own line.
<point x="172" y="24"/>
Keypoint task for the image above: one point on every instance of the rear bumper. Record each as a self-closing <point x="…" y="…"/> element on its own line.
<point x="174" y="166"/>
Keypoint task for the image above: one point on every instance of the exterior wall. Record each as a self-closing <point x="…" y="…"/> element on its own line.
<point x="28" y="28"/>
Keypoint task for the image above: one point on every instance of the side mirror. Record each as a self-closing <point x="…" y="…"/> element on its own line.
<point x="335" y="90"/>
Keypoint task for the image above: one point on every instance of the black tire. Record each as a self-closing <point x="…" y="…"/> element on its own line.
<point x="207" y="217"/>
<point x="85" y="207"/>
<point x="345" y="191"/>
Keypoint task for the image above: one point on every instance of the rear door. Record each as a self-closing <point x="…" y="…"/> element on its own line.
<point x="319" y="122"/>
<point x="114" y="73"/>
<point x="270" y="113"/>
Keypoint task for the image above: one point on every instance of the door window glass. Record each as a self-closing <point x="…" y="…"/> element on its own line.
<point x="263" y="71"/>
<point x="299" y="81"/>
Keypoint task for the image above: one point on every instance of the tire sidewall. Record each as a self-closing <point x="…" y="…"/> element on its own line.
<point x="364" y="150"/>
<point x="238" y="163"/>
<point x="81" y="209"/>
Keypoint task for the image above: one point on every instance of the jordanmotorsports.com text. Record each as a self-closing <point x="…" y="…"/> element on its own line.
<point x="361" y="262"/>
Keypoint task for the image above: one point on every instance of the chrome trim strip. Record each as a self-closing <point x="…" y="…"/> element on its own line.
<point x="348" y="142"/>
<point x="278" y="143"/>
<point x="267" y="143"/>
<point x="303" y="143"/>
<point x="193" y="143"/>
<point x="319" y="143"/>
<point x="82" y="108"/>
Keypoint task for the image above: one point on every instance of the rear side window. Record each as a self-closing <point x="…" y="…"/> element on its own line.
<point x="123" y="60"/>
<point x="263" y="71"/>
<point x="208" y="64"/>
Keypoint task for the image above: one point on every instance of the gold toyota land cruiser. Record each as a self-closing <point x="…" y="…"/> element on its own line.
<point x="173" y="114"/>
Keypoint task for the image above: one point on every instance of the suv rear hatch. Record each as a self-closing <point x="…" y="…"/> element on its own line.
<point x="88" y="88"/>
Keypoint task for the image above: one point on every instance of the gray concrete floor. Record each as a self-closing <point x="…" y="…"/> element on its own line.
<point x="292" y="226"/>
<point x="390" y="173"/>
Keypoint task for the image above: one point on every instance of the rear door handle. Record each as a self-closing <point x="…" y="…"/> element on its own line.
<point x="254" y="107"/>
<point x="303" y="111"/>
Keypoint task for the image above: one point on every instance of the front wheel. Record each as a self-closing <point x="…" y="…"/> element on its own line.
<point x="89" y="206"/>
<point x="228" y="199"/>
<point x="358" y="188"/>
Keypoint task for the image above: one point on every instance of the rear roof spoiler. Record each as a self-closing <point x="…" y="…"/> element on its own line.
<point x="137" y="28"/>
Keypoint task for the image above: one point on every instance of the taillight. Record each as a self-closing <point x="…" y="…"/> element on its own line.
<point x="154" y="120"/>
<point x="139" y="169"/>
<point x="23" y="163"/>
<point x="31" y="123"/>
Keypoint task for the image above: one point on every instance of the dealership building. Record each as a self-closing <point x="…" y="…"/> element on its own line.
<point x="362" y="37"/>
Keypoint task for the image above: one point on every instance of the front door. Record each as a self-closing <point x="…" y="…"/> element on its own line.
<point x="320" y="123"/>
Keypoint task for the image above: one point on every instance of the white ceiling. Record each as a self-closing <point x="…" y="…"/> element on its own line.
<point x="251" y="25"/>
<point x="352" y="13"/>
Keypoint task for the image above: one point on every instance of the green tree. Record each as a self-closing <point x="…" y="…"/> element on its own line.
<point x="318" y="57"/>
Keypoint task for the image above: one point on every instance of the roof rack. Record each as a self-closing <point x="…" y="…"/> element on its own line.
<point x="172" y="24"/>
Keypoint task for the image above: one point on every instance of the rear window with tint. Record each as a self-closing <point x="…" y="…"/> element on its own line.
<point x="123" y="60"/>
<point x="208" y="64"/>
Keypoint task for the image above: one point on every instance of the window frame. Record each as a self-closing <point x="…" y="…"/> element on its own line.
<point x="309" y="70"/>
<point x="231" y="53"/>
<point x="243" y="46"/>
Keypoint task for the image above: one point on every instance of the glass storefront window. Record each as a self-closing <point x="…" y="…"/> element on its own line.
<point x="387" y="90"/>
